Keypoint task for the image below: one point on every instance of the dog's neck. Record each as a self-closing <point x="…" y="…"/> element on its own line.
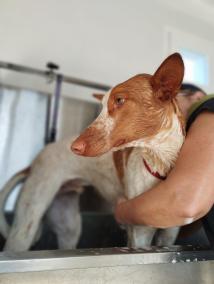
<point x="160" y="152"/>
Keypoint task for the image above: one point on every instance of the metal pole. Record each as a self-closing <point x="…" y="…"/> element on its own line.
<point x="47" y="120"/>
<point x="23" y="69"/>
<point x="85" y="83"/>
<point x="53" y="75"/>
<point x="59" y="80"/>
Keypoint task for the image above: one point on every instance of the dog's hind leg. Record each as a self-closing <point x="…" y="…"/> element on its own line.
<point x="65" y="220"/>
<point x="38" y="192"/>
<point x="4" y="193"/>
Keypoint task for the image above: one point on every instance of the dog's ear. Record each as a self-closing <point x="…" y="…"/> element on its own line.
<point x="99" y="97"/>
<point x="167" y="79"/>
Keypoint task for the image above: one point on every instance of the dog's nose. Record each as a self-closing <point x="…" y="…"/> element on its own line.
<point x="78" y="147"/>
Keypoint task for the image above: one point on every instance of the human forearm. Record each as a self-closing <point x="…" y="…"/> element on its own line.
<point x="159" y="207"/>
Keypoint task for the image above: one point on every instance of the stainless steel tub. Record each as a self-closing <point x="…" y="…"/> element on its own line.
<point x="116" y="265"/>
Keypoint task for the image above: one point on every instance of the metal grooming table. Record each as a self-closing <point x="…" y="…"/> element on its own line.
<point x="115" y="265"/>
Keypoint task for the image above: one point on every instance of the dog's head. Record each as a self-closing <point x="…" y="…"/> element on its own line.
<point x="135" y="110"/>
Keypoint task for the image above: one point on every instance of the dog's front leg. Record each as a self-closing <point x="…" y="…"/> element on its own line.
<point x="167" y="237"/>
<point x="140" y="236"/>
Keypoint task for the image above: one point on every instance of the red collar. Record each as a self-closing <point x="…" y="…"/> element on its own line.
<point x="155" y="174"/>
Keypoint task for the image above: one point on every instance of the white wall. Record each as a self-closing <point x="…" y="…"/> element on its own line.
<point x="102" y="40"/>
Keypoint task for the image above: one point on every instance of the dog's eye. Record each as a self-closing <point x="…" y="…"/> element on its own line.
<point x="119" y="101"/>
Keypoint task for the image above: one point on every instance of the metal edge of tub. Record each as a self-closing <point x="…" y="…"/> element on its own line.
<point x="90" y="258"/>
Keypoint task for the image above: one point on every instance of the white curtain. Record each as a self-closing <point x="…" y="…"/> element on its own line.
<point x="22" y="130"/>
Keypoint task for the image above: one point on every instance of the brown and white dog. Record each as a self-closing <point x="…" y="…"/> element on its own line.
<point x="132" y="144"/>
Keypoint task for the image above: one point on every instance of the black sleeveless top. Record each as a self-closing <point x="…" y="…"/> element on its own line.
<point x="206" y="104"/>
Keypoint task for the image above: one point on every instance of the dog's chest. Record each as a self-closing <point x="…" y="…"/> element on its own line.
<point x="137" y="178"/>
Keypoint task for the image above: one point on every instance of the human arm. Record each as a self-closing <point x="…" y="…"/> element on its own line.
<point x="188" y="192"/>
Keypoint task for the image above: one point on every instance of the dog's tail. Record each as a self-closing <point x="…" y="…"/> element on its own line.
<point x="4" y="193"/>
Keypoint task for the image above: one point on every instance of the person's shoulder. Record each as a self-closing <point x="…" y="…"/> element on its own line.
<point x="205" y="104"/>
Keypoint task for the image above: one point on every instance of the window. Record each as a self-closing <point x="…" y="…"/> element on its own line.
<point x="196" y="67"/>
